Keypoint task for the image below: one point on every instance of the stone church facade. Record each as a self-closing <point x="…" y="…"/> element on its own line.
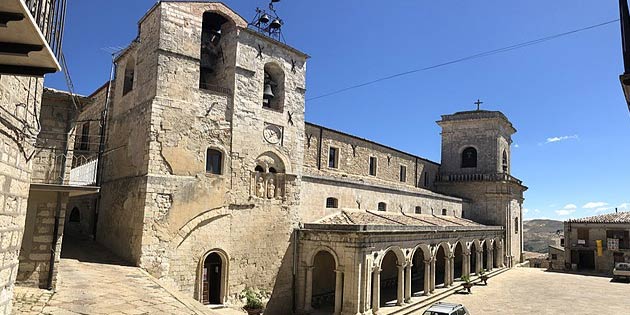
<point x="213" y="181"/>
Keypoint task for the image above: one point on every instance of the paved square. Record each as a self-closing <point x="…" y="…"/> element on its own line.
<point x="536" y="291"/>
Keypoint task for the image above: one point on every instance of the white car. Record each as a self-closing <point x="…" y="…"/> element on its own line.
<point x="441" y="308"/>
<point x="622" y="270"/>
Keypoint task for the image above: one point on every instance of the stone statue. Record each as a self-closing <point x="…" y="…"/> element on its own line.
<point x="271" y="189"/>
<point x="260" y="187"/>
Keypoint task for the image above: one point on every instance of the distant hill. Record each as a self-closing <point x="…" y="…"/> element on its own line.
<point x="539" y="234"/>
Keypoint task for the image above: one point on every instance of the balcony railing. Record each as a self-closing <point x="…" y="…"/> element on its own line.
<point x="493" y="177"/>
<point x="49" y="15"/>
<point x="84" y="175"/>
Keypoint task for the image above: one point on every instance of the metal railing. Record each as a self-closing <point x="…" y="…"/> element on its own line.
<point x="478" y="178"/>
<point x="85" y="174"/>
<point x="50" y="16"/>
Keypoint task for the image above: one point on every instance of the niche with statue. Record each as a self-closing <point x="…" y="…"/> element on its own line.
<point x="268" y="180"/>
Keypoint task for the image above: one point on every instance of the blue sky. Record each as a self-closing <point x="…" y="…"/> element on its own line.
<point x="572" y="148"/>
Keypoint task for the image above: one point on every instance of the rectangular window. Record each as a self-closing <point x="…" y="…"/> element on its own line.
<point x="373" y="165"/>
<point x="554" y="256"/>
<point x="516" y="225"/>
<point x="418" y="210"/>
<point x="403" y="173"/>
<point x="426" y="179"/>
<point x="621" y="235"/>
<point x="582" y="236"/>
<point x="85" y="137"/>
<point x="213" y="162"/>
<point x="333" y="157"/>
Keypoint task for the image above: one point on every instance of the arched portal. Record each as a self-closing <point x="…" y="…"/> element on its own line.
<point x="440" y="266"/>
<point x="485" y="255"/>
<point x="458" y="260"/>
<point x="213" y="278"/>
<point x="389" y="279"/>
<point x="473" y="257"/>
<point x="323" y="298"/>
<point x="417" y="272"/>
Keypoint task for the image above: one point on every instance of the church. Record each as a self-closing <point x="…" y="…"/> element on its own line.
<point x="212" y="181"/>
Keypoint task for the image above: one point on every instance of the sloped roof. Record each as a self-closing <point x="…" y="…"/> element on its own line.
<point x="365" y="217"/>
<point x="618" y="217"/>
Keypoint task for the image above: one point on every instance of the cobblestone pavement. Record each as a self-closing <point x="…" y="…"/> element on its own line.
<point x="93" y="281"/>
<point x="29" y="301"/>
<point x="536" y="291"/>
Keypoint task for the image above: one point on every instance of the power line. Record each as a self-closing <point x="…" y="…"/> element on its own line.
<point x="475" y="56"/>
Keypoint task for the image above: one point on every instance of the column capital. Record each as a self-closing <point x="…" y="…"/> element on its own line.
<point x="309" y="267"/>
<point x="377" y="269"/>
<point x="338" y="271"/>
<point x="401" y="266"/>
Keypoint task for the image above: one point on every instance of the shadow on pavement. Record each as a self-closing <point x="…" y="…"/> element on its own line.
<point x="87" y="250"/>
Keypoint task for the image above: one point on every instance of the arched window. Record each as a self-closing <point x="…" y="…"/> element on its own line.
<point x="332" y="202"/>
<point x="273" y="88"/>
<point x="272" y="170"/>
<point x="444" y="212"/>
<point x="75" y="215"/>
<point x="214" y="161"/>
<point x="516" y="225"/>
<point x="129" y="75"/>
<point x="418" y="210"/>
<point x="259" y="169"/>
<point x="469" y="158"/>
<point x="382" y="206"/>
<point x="211" y="52"/>
<point x="504" y="162"/>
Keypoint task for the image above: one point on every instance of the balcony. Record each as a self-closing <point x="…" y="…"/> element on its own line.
<point x="31" y="32"/>
<point x="494" y="177"/>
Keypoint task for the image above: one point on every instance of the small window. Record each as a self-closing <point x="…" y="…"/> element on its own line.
<point x="444" y="211"/>
<point x="332" y="203"/>
<point x="562" y="242"/>
<point x="75" y="215"/>
<point x="214" y="159"/>
<point x="403" y="174"/>
<point x="259" y="169"/>
<point x="515" y="225"/>
<point x="85" y="137"/>
<point x="333" y="157"/>
<point x="129" y="76"/>
<point x="419" y="210"/>
<point x="382" y="206"/>
<point x="554" y="256"/>
<point x="373" y="165"/>
<point x="426" y="179"/>
<point x="469" y="158"/>
<point x="505" y="162"/>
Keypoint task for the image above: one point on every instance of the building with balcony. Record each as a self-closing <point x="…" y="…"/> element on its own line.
<point x="30" y="45"/>
<point x="596" y="243"/>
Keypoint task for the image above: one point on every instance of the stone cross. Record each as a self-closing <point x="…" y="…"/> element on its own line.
<point x="478" y="103"/>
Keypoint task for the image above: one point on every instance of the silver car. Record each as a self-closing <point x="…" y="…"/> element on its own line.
<point x="441" y="308"/>
<point x="622" y="270"/>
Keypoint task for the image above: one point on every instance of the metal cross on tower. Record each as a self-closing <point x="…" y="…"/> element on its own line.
<point x="478" y="103"/>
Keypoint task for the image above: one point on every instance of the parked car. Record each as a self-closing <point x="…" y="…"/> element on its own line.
<point x="442" y="308"/>
<point x="621" y="271"/>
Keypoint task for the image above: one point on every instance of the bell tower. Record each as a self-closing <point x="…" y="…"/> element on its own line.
<point x="476" y="165"/>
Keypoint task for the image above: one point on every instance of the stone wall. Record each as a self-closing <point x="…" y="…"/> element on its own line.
<point x="19" y="101"/>
<point x="596" y="231"/>
<point x="36" y="246"/>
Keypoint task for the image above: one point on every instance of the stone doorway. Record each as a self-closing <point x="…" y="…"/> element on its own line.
<point x="473" y="258"/>
<point x="389" y="279"/>
<point x="323" y="299"/>
<point x="458" y="260"/>
<point x="213" y="279"/>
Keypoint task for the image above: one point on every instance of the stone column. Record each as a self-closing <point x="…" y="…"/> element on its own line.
<point x="466" y="265"/>
<point x="408" y="283"/>
<point x="479" y="261"/>
<point x="338" y="291"/>
<point x="376" y="291"/>
<point x="400" y="293"/>
<point x="489" y="261"/>
<point x="427" y="277"/>
<point x="447" y="271"/>
<point x="308" y="291"/>
<point x="452" y="263"/>
<point x="432" y="275"/>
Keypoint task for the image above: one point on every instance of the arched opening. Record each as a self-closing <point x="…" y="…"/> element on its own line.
<point x="332" y="203"/>
<point x="469" y="158"/>
<point x="440" y="266"/>
<point x="213" y="279"/>
<point x="75" y="215"/>
<point x="268" y="181"/>
<point x="130" y="73"/>
<point x="504" y="162"/>
<point x="496" y="255"/>
<point x="324" y="278"/>
<point x="473" y="258"/>
<point x="458" y="261"/>
<point x="485" y="255"/>
<point x="382" y="206"/>
<point x="211" y="63"/>
<point x="272" y="170"/>
<point x="273" y="88"/>
<point x="389" y="279"/>
<point x="259" y="169"/>
<point x="214" y="162"/>
<point x="417" y="272"/>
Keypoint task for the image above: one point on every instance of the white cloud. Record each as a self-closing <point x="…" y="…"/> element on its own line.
<point x="594" y="205"/>
<point x="516" y="145"/>
<point x="525" y="210"/>
<point x="561" y="138"/>
<point x="624" y="206"/>
<point x="563" y="212"/>
<point x="570" y="206"/>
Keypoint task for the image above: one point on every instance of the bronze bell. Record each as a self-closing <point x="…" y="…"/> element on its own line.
<point x="264" y="19"/>
<point x="268" y="93"/>
<point x="275" y="24"/>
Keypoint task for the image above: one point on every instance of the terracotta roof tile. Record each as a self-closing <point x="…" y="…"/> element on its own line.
<point x="618" y="217"/>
